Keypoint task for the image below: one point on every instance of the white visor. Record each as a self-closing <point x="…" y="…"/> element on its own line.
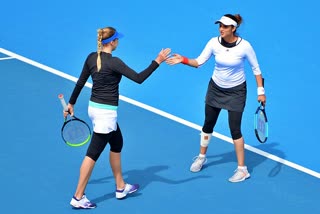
<point x="227" y="21"/>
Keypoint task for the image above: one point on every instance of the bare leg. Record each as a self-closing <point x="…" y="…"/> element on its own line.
<point x="85" y="173"/>
<point x="115" y="162"/>
<point x="203" y="150"/>
<point x="239" y="147"/>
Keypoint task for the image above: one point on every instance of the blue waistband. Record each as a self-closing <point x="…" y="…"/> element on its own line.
<point x="103" y="106"/>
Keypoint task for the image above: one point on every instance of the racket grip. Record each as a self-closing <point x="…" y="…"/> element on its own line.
<point x="63" y="102"/>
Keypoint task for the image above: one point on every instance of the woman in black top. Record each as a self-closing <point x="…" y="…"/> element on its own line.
<point x="106" y="72"/>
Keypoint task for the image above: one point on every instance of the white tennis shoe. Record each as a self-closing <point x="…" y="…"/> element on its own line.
<point x="128" y="189"/>
<point x="82" y="203"/>
<point x="240" y="175"/>
<point x="197" y="164"/>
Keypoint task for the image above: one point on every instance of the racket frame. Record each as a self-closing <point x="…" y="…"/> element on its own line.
<point x="261" y="109"/>
<point x="74" y="118"/>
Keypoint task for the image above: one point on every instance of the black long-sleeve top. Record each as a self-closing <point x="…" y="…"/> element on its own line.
<point x="105" y="83"/>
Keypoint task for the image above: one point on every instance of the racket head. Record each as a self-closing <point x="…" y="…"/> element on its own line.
<point x="261" y="124"/>
<point x="75" y="132"/>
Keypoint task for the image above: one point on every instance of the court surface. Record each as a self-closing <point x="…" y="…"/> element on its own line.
<point x="42" y="50"/>
<point x="62" y="33"/>
<point x="39" y="172"/>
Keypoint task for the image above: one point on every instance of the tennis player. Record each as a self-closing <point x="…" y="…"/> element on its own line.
<point x="106" y="72"/>
<point x="227" y="87"/>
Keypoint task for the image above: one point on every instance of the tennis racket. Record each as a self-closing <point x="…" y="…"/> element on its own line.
<point x="261" y="123"/>
<point x="75" y="132"/>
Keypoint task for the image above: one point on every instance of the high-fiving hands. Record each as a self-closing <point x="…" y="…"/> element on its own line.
<point x="163" y="55"/>
<point x="174" y="59"/>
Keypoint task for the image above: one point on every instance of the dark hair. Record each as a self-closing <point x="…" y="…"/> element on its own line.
<point x="237" y="18"/>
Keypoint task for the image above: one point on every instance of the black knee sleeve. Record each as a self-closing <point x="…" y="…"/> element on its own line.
<point x="236" y="134"/>
<point x="99" y="142"/>
<point x="116" y="141"/>
<point x="97" y="145"/>
<point x="235" y="124"/>
<point x="211" y="117"/>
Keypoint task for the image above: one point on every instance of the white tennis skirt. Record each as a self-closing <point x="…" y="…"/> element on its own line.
<point x="104" y="119"/>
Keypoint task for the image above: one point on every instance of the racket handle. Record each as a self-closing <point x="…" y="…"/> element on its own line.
<point x="63" y="102"/>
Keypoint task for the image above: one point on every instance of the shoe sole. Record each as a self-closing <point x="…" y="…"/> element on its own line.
<point x="247" y="177"/>
<point x="198" y="169"/>
<point x="79" y="207"/>
<point x="195" y="170"/>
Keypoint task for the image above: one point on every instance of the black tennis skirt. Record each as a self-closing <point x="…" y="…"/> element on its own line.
<point x="232" y="99"/>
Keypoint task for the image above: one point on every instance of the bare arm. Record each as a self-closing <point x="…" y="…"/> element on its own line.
<point x="177" y="58"/>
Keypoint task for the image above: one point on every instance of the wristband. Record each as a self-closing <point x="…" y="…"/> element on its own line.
<point x="185" y="60"/>
<point x="260" y="91"/>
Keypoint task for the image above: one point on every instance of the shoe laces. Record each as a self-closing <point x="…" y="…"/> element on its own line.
<point x="199" y="160"/>
<point x="85" y="199"/>
<point x="239" y="173"/>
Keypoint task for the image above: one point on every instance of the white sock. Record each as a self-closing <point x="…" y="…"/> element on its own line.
<point x="242" y="167"/>
<point x="202" y="155"/>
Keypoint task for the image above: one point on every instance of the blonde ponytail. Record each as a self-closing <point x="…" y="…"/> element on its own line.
<point x="103" y="33"/>
<point x="99" y="48"/>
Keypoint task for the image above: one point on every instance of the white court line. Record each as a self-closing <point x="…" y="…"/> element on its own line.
<point x="165" y="114"/>
<point x="6" y="58"/>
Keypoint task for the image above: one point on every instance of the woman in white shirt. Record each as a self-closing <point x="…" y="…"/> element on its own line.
<point x="227" y="87"/>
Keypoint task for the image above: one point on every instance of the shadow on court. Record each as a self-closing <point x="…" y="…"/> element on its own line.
<point x="145" y="177"/>
<point x="36" y="165"/>
<point x="252" y="159"/>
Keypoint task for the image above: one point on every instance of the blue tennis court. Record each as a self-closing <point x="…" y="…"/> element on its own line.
<point x="37" y="166"/>
<point x="42" y="53"/>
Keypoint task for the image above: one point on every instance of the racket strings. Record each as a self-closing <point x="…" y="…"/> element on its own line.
<point x="261" y="126"/>
<point x="76" y="132"/>
<point x="261" y="123"/>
